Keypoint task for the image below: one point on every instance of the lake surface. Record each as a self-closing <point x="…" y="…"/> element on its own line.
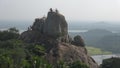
<point x="77" y="31"/>
<point x="99" y="58"/>
<point x="72" y="31"/>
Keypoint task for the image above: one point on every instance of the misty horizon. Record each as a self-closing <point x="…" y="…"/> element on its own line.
<point x="74" y="10"/>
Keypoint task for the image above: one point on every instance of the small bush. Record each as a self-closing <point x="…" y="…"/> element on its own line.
<point x="78" y="64"/>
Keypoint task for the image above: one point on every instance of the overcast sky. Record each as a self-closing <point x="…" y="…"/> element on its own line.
<point x="74" y="10"/>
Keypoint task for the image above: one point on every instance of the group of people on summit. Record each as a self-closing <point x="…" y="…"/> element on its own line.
<point x="51" y="10"/>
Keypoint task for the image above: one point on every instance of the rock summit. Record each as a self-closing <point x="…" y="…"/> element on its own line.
<point x="52" y="32"/>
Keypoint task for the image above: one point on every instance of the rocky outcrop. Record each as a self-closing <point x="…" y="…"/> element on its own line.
<point x="70" y="53"/>
<point x="38" y="24"/>
<point x="52" y="32"/>
<point x="55" y="24"/>
<point x="78" y="41"/>
<point x="113" y="62"/>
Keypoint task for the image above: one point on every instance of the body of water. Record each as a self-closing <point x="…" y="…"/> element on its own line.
<point x="100" y="58"/>
<point x="73" y="31"/>
<point x="77" y="31"/>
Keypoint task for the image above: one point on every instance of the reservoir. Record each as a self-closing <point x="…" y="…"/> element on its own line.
<point x="99" y="58"/>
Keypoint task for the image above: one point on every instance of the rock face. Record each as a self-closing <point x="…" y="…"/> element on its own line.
<point x="38" y="24"/>
<point x="70" y="53"/>
<point x="55" y="24"/>
<point x="113" y="62"/>
<point x="52" y="32"/>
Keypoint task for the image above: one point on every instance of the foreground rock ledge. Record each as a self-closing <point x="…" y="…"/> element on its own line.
<point x="52" y="32"/>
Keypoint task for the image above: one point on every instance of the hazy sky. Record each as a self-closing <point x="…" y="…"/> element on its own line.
<point x="75" y="10"/>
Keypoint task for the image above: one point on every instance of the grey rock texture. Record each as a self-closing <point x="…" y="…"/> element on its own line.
<point x="78" y="41"/>
<point x="52" y="32"/>
<point x="38" y="24"/>
<point x="55" y="24"/>
<point x="70" y="53"/>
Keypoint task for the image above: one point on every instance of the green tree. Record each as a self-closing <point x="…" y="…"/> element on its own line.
<point x="13" y="30"/>
<point x="11" y="33"/>
<point x="6" y="62"/>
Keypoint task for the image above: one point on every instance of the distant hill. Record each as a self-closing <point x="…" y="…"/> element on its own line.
<point x="88" y="25"/>
<point x="101" y="38"/>
<point x="92" y="36"/>
<point x="110" y="43"/>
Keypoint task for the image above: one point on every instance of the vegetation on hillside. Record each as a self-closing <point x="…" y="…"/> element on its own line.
<point x="101" y="38"/>
<point x="15" y="53"/>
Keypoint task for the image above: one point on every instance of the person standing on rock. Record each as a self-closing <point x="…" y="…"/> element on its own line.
<point x="51" y="10"/>
<point x="56" y="11"/>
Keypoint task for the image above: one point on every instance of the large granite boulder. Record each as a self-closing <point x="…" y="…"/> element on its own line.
<point x="55" y="25"/>
<point x="70" y="53"/>
<point x="78" y="41"/>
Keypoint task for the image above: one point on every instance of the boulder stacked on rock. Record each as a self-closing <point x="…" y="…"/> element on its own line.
<point x="52" y="32"/>
<point x="78" y="41"/>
